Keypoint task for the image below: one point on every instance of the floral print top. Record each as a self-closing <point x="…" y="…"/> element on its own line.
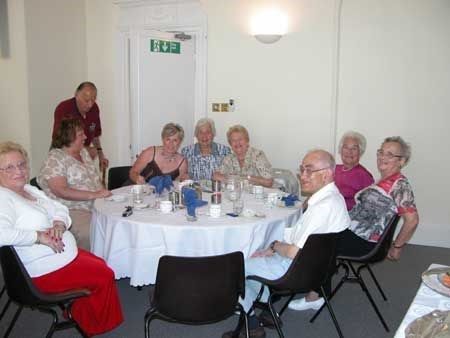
<point x="80" y="175"/>
<point x="255" y="164"/>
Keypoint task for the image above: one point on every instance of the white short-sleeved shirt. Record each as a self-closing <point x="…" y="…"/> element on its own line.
<point x="20" y="218"/>
<point x="326" y="213"/>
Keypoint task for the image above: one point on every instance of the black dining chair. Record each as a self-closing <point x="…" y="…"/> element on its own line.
<point x="21" y="290"/>
<point x="308" y="271"/>
<point x="117" y="176"/>
<point x="376" y="255"/>
<point x="198" y="290"/>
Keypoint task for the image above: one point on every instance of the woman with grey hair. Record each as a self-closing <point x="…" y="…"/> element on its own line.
<point x="245" y="161"/>
<point x="375" y="206"/>
<point x="161" y="160"/>
<point x="205" y="156"/>
<point x="351" y="176"/>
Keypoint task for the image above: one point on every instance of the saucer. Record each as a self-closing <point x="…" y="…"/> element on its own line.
<point x="140" y="206"/>
<point x="116" y="198"/>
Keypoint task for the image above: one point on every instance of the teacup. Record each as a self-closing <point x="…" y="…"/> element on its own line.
<point x="215" y="210"/>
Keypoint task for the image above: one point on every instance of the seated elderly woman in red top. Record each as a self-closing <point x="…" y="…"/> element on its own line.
<point x="350" y="176"/>
<point x="36" y="226"/>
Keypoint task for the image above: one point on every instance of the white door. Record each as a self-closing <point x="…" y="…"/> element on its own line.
<point x="162" y="86"/>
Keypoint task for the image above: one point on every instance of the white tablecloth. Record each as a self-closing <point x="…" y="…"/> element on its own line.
<point x="425" y="301"/>
<point x="132" y="246"/>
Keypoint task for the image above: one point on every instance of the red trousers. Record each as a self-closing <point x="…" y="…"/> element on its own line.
<point x="95" y="314"/>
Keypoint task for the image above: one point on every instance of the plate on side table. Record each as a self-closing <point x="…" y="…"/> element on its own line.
<point x="433" y="279"/>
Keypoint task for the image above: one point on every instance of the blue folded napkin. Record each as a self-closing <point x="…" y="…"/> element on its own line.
<point x="191" y="202"/>
<point x="161" y="182"/>
<point x="289" y="200"/>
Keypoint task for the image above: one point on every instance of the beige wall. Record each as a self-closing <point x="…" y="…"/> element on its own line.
<point x="56" y="63"/>
<point x="394" y="79"/>
<point x="14" y="115"/>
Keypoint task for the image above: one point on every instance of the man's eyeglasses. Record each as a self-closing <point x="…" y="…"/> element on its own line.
<point x="388" y="155"/>
<point x="308" y="171"/>
<point x="11" y="169"/>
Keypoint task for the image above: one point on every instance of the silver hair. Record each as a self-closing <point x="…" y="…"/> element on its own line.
<point x="326" y="158"/>
<point x="206" y="121"/>
<point x="405" y="147"/>
<point x="358" y="137"/>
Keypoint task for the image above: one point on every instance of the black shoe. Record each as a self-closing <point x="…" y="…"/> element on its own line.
<point x="253" y="333"/>
<point x="266" y="320"/>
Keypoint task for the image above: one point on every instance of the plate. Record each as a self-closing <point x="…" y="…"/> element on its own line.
<point x="431" y="279"/>
<point x="441" y="280"/>
<point x="140" y="206"/>
<point x="116" y="198"/>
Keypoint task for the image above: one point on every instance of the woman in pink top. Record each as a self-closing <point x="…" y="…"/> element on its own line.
<point x="350" y="176"/>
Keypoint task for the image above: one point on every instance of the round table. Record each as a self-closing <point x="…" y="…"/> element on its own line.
<point x="132" y="245"/>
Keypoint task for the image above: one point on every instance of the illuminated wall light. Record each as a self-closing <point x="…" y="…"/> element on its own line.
<point x="268" y="26"/>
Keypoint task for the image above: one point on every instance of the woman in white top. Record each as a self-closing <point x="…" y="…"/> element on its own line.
<point x="70" y="176"/>
<point x="36" y="225"/>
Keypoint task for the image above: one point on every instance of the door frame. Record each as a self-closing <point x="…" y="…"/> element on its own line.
<point x="163" y="15"/>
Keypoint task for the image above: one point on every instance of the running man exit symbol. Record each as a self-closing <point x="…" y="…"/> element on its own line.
<point x="165" y="46"/>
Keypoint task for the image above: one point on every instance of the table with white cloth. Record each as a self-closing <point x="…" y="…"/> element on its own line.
<point x="425" y="301"/>
<point x="132" y="245"/>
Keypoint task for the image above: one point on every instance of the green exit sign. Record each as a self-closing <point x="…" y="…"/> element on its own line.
<point x="165" y="46"/>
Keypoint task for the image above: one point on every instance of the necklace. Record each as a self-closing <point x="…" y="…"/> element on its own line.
<point x="168" y="157"/>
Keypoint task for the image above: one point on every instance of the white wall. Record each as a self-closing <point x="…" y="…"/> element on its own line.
<point x="394" y="79"/>
<point x="56" y="63"/>
<point x="14" y="116"/>
<point x="282" y="91"/>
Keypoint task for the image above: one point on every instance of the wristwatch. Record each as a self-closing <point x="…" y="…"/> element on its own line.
<point x="272" y="245"/>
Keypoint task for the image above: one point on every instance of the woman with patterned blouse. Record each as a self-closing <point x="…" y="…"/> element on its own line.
<point x="205" y="156"/>
<point x="70" y="176"/>
<point x="245" y="160"/>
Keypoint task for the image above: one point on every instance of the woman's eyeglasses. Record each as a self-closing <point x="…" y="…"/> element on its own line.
<point x="11" y="169"/>
<point x="388" y="154"/>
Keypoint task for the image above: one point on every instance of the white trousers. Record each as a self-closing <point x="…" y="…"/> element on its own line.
<point x="270" y="267"/>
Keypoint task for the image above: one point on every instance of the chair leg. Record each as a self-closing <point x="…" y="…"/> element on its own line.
<point x="242" y="318"/>
<point x="147" y="318"/>
<point x="51" y="330"/>
<point x="286" y="305"/>
<point x="275" y="317"/>
<point x="369" y="296"/>
<point x="330" y="309"/>
<point x="13" y="322"/>
<point x="68" y="309"/>
<point x="336" y="289"/>
<point x="376" y="282"/>
<point x="5" y="308"/>
<point x="3" y="291"/>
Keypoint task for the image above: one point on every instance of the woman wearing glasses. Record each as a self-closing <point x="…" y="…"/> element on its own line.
<point x="37" y="228"/>
<point x="351" y="176"/>
<point x="375" y="206"/>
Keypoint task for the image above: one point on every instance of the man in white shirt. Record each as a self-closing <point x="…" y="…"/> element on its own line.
<point x="326" y="213"/>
